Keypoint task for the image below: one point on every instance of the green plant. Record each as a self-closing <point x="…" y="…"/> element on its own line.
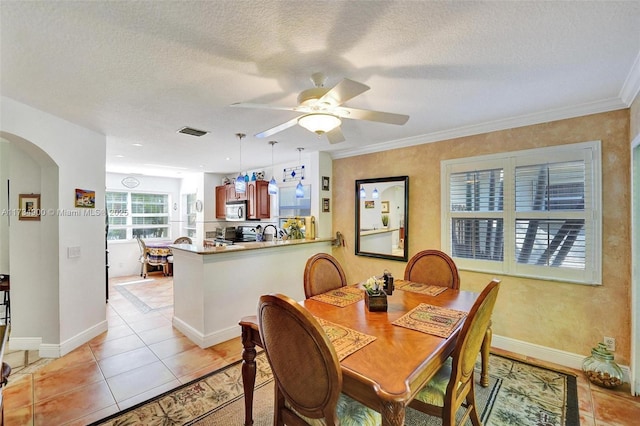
<point x="385" y="219"/>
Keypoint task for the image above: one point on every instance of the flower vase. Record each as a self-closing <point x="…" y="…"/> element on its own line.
<point x="376" y="302"/>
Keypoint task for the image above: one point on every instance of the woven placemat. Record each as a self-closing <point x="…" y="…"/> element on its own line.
<point x="345" y="340"/>
<point x="431" y="319"/>
<point x="430" y="290"/>
<point x="341" y="297"/>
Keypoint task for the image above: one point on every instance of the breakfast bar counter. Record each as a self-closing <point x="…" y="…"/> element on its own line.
<point x="214" y="286"/>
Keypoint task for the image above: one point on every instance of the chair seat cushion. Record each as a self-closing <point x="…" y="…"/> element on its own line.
<point x="433" y="393"/>
<point x="350" y="413"/>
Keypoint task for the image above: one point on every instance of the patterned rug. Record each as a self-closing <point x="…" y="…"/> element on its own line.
<point x="518" y="394"/>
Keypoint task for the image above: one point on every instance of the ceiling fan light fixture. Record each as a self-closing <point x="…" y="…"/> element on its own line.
<point x="319" y="123"/>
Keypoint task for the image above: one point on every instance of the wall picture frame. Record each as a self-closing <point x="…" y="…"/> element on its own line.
<point x="369" y="204"/>
<point x="325" y="183"/>
<point x="29" y="206"/>
<point x="326" y="205"/>
<point x="384" y="207"/>
<point x="85" y="198"/>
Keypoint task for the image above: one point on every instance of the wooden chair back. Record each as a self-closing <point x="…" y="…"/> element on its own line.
<point x="460" y="388"/>
<point x="304" y="363"/>
<point x="433" y="267"/>
<point x="183" y="240"/>
<point x="321" y="274"/>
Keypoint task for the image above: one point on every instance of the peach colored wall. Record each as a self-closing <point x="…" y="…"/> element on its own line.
<point x="568" y="317"/>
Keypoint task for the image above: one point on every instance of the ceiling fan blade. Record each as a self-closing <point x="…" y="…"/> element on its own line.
<point x="278" y="128"/>
<point x="369" y="115"/>
<point x="260" y="106"/>
<point x="342" y="92"/>
<point x="335" y="135"/>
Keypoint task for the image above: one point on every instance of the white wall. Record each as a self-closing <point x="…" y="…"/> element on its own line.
<point x="58" y="303"/>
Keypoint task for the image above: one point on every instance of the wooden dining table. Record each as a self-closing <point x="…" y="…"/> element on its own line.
<point x="387" y="373"/>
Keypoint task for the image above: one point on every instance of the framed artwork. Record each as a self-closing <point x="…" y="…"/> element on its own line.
<point x="384" y="207"/>
<point x="29" y="207"/>
<point x="369" y="204"/>
<point x="86" y="198"/>
<point x="325" y="205"/>
<point x="325" y="183"/>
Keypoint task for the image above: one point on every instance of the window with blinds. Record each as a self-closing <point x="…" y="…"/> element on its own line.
<point x="133" y="214"/>
<point x="529" y="213"/>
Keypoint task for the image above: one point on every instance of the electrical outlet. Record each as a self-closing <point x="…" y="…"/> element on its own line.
<point x="610" y="342"/>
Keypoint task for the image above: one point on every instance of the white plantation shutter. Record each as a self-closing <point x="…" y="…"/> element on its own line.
<point x="528" y="213"/>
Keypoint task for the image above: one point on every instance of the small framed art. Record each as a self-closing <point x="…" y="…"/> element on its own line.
<point x="325" y="183"/>
<point x="325" y="205"/>
<point x="29" y="206"/>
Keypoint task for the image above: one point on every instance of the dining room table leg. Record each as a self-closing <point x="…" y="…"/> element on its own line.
<point x="250" y="337"/>
<point x="393" y="413"/>
<point x="484" y="355"/>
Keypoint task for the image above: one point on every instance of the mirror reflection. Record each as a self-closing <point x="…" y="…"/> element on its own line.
<point x="382" y="217"/>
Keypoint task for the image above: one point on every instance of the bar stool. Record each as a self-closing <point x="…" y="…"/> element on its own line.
<point x="5" y="287"/>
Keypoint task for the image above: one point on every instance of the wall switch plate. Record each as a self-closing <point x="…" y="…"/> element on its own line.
<point x="610" y="342"/>
<point x="73" y="252"/>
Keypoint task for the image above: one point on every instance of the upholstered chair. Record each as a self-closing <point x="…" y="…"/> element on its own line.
<point x="321" y="274"/>
<point x="433" y="267"/>
<point x="453" y="385"/>
<point x="306" y="368"/>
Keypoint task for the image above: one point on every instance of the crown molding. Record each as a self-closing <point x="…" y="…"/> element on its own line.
<point x="597" y="107"/>
<point x="631" y="86"/>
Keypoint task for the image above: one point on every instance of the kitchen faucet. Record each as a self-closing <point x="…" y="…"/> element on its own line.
<point x="275" y="229"/>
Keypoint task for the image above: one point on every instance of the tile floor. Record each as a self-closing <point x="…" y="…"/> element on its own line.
<point x="142" y="355"/>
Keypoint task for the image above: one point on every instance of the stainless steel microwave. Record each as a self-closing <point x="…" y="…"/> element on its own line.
<point x="236" y="210"/>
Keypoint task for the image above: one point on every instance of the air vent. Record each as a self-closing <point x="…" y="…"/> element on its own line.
<point x="193" y="132"/>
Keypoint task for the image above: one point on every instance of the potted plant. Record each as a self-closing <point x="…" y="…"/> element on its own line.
<point x="374" y="296"/>
<point x="385" y="220"/>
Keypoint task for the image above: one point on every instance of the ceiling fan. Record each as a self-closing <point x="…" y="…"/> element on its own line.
<point x="322" y="110"/>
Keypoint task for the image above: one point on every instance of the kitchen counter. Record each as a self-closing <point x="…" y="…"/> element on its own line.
<point x="254" y="245"/>
<point x="213" y="287"/>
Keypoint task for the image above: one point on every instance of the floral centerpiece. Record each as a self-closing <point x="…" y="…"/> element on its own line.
<point x="374" y="297"/>
<point x="294" y="227"/>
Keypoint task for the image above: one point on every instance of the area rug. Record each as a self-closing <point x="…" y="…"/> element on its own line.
<point x="518" y="394"/>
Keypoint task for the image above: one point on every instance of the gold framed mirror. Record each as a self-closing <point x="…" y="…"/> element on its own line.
<point x="382" y="217"/>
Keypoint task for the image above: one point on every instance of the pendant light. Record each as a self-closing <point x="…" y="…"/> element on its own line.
<point x="241" y="185"/>
<point x="273" y="185"/>
<point x="363" y="193"/>
<point x="375" y="193"/>
<point x="299" y="187"/>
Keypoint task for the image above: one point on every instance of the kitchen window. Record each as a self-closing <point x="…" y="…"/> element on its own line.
<point x="534" y="213"/>
<point x="135" y="214"/>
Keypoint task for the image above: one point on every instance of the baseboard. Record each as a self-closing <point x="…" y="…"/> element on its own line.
<point x="194" y="335"/>
<point x="25" y="343"/>
<point x="48" y="350"/>
<point x="82" y="338"/>
<point x="556" y="356"/>
<point x="205" y="341"/>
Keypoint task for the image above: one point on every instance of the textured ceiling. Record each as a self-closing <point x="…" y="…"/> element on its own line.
<point x="139" y="71"/>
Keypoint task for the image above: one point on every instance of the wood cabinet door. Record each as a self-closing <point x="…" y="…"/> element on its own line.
<point x="221" y="200"/>
<point x="263" y="200"/>
<point x="251" y="200"/>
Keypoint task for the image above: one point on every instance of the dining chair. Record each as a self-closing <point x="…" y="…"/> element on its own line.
<point x="453" y="385"/>
<point x="308" y="378"/>
<point x="147" y="260"/>
<point x="433" y="267"/>
<point x="321" y="274"/>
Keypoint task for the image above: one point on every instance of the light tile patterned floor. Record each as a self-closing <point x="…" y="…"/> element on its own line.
<point x="142" y="355"/>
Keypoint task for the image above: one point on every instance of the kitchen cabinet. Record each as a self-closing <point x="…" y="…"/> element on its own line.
<point x="258" y="200"/>
<point x="221" y="200"/>
<point x="256" y="195"/>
